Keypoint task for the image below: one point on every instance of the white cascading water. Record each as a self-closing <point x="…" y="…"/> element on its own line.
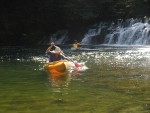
<point x="63" y="35"/>
<point x="96" y="30"/>
<point x="59" y="37"/>
<point x="132" y="32"/>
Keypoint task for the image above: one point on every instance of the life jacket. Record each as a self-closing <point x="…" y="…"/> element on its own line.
<point x="54" y="57"/>
<point x="76" y="46"/>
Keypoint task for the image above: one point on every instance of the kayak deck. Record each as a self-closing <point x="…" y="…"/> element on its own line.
<point x="58" y="67"/>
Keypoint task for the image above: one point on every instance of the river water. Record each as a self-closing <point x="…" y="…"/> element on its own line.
<point x="115" y="79"/>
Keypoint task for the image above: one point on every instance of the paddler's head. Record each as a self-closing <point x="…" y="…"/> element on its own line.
<point x="75" y="41"/>
<point x="57" y="50"/>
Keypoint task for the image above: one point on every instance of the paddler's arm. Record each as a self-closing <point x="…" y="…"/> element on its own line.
<point x="50" y="47"/>
<point x="64" y="57"/>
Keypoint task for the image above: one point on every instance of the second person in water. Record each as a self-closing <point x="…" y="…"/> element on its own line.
<point x="76" y="45"/>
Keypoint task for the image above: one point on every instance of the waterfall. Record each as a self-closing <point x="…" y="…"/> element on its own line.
<point x="94" y="31"/>
<point x="128" y="32"/>
<point x="59" y="37"/>
<point x="131" y="32"/>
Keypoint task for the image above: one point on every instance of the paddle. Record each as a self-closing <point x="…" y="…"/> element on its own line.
<point x="75" y="63"/>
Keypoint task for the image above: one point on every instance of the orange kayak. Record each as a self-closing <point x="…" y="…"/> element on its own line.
<point x="58" y="67"/>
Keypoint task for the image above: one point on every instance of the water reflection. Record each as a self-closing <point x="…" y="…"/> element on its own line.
<point x="61" y="80"/>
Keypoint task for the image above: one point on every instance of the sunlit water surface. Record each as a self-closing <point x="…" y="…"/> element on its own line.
<point x="113" y="80"/>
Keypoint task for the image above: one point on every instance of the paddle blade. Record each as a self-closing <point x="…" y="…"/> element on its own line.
<point x="77" y="64"/>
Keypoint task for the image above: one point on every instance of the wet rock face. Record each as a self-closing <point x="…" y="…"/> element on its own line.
<point x="26" y="22"/>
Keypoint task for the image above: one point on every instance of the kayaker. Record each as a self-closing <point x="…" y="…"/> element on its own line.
<point x="54" y="53"/>
<point x="76" y="44"/>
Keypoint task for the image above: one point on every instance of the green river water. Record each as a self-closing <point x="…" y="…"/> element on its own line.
<point x="114" y="80"/>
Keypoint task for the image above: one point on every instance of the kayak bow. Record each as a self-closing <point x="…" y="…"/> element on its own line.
<point x="58" y="67"/>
